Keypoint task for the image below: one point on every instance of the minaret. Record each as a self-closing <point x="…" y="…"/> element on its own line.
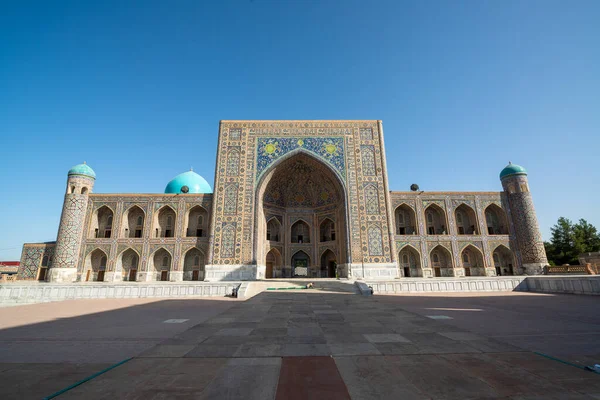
<point x="529" y="238"/>
<point x="80" y="182"/>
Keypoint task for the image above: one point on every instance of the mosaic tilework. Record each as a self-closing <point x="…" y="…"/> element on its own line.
<point x="375" y="245"/>
<point x="231" y="197"/>
<point x="233" y="162"/>
<point x="366" y="133"/>
<point x="527" y="230"/>
<point x="70" y="232"/>
<point x="371" y="200"/>
<point x="228" y="242"/>
<point x="328" y="149"/>
<point x="368" y="160"/>
<point x="31" y="259"/>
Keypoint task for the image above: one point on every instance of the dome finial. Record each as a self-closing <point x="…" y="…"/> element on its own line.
<point x="84" y="163"/>
<point x="191" y="168"/>
<point x="510" y="162"/>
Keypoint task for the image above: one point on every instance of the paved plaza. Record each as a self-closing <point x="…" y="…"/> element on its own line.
<point x="300" y="344"/>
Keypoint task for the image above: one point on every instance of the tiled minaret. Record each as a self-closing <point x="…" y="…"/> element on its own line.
<point x="80" y="183"/>
<point x="527" y="231"/>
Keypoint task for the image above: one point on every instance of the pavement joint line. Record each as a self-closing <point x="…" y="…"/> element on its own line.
<point x="84" y="380"/>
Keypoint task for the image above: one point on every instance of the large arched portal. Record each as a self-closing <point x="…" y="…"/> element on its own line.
<point x="303" y="195"/>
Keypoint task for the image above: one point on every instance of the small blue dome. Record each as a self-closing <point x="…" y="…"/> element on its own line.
<point x="512" y="169"/>
<point x="194" y="182"/>
<point x="82" y="169"/>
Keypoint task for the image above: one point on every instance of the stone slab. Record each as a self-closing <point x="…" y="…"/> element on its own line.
<point x="310" y="378"/>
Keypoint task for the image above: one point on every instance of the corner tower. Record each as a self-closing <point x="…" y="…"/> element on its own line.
<point x="80" y="182"/>
<point x="529" y="239"/>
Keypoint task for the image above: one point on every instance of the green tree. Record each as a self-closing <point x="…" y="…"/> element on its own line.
<point x="570" y="240"/>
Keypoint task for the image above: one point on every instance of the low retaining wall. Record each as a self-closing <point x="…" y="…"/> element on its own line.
<point x="582" y="284"/>
<point x="23" y="293"/>
<point x="424" y="285"/>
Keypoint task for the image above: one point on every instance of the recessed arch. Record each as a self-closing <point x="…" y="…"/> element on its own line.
<point x="300" y="185"/>
<point x="128" y="263"/>
<point x="405" y="219"/>
<point x="160" y="264"/>
<point x="95" y="265"/>
<point x="102" y="222"/>
<point x="496" y="221"/>
<point x="300" y="232"/>
<point x="164" y="222"/>
<point x="472" y="261"/>
<point x="274" y="230"/>
<point x="328" y="264"/>
<point x="193" y="265"/>
<point x="327" y="230"/>
<point x="133" y="222"/>
<point x="300" y="263"/>
<point x="441" y="261"/>
<point x="196" y="222"/>
<point x="504" y="260"/>
<point x="274" y="264"/>
<point x="409" y="259"/>
<point x="435" y="220"/>
<point x="466" y="220"/>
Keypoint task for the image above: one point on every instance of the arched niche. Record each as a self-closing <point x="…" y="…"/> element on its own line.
<point x="300" y="264"/>
<point x="472" y="261"/>
<point x="328" y="264"/>
<point x="496" y="221"/>
<point x="466" y="220"/>
<point x="197" y="222"/>
<point x="193" y="265"/>
<point x="161" y="262"/>
<point x="95" y="266"/>
<point x="504" y="261"/>
<point x="435" y="220"/>
<point x="133" y="222"/>
<point x="164" y="222"/>
<point x="405" y="220"/>
<point x="274" y="264"/>
<point x="441" y="261"/>
<point x="327" y="231"/>
<point x="274" y="230"/>
<point x="128" y="265"/>
<point x="409" y="260"/>
<point x="102" y="223"/>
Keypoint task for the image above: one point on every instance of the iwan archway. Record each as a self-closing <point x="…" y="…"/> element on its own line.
<point x="307" y="200"/>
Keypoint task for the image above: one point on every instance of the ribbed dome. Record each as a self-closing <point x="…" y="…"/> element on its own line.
<point x="194" y="182"/>
<point x="512" y="169"/>
<point x="82" y="169"/>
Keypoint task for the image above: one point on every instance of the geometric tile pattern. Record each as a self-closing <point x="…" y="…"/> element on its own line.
<point x="375" y="246"/>
<point x="368" y="160"/>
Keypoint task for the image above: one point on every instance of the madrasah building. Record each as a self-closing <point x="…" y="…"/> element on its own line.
<point x="291" y="199"/>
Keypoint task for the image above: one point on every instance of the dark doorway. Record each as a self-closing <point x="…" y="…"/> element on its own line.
<point x="42" y="276"/>
<point x="195" y="275"/>
<point x="100" y="276"/>
<point x="437" y="272"/>
<point x="407" y="272"/>
<point x="164" y="275"/>
<point x="132" y="275"/>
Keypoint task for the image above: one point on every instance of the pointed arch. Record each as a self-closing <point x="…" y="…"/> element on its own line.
<point x="102" y="222"/>
<point x="128" y="263"/>
<point x="495" y="220"/>
<point x="466" y="220"/>
<point x="471" y="259"/>
<point x="274" y="264"/>
<point x="274" y="230"/>
<point x="405" y="219"/>
<point x="300" y="263"/>
<point x="133" y="222"/>
<point x="409" y="259"/>
<point x="504" y="260"/>
<point x="435" y="219"/>
<point x="328" y="264"/>
<point x="194" y="261"/>
<point x="300" y="232"/>
<point x="161" y="262"/>
<point x="95" y="265"/>
<point x="165" y="222"/>
<point x="441" y="261"/>
<point x="196" y="222"/>
<point x="327" y="230"/>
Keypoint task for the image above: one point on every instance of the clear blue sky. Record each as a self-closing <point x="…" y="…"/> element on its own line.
<point x="137" y="91"/>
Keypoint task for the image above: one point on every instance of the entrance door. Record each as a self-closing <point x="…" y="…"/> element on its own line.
<point x="195" y="274"/>
<point x="132" y="275"/>
<point x="407" y="272"/>
<point x="467" y="271"/>
<point x="437" y="272"/>
<point x="332" y="269"/>
<point x="269" y="271"/>
<point x="164" y="275"/>
<point x="100" y="276"/>
<point x="87" y="276"/>
<point x="42" y="276"/>
<point x="301" y="268"/>
<point x="498" y="271"/>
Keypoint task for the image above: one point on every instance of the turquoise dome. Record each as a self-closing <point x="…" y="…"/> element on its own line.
<point x="512" y="169"/>
<point x="194" y="182"/>
<point x="82" y="169"/>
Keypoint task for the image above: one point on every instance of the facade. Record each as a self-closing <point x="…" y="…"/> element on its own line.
<point x="291" y="198"/>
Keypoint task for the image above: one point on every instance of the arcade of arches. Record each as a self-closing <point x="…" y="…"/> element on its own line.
<point x="301" y="220"/>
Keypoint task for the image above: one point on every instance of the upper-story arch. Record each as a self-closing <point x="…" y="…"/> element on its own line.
<point x="102" y="223"/>
<point x="197" y="222"/>
<point x="405" y="220"/>
<point x="496" y="221"/>
<point x="466" y="220"/>
<point x="133" y="222"/>
<point x="435" y="220"/>
<point x="164" y="222"/>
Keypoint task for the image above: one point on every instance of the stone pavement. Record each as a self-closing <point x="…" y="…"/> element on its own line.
<point x="316" y="344"/>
